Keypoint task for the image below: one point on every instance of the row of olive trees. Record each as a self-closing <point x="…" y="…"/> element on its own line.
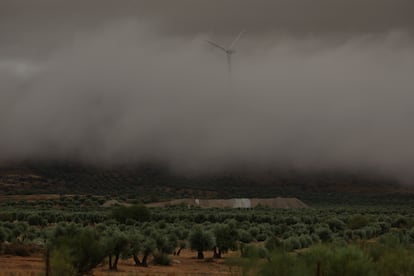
<point x="340" y="223"/>
<point x="223" y="238"/>
<point x="80" y="249"/>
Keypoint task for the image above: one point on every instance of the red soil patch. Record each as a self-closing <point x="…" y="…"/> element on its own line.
<point x="13" y="265"/>
<point x="186" y="264"/>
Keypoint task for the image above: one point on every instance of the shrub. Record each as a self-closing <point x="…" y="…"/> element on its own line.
<point x="254" y="231"/>
<point x="16" y="249"/>
<point x="305" y="241"/>
<point x="85" y="249"/>
<point x="315" y="238"/>
<point x="339" y="260"/>
<point x="273" y="243"/>
<point x="263" y="252"/>
<point x="360" y="233"/>
<point x="161" y="259"/>
<point x="290" y="220"/>
<point x="400" y="222"/>
<point x="282" y="264"/>
<point x="245" y="236"/>
<point x="325" y="234"/>
<point x="253" y="251"/>
<point x="411" y="234"/>
<point x="3" y="235"/>
<point x="394" y="239"/>
<point x="34" y="219"/>
<point x="292" y="243"/>
<point x="396" y="261"/>
<point x="165" y="243"/>
<point x="348" y="234"/>
<point x="383" y="227"/>
<point x="139" y="213"/>
<point x="60" y="264"/>
<point x="357" y="222"/>
<point x="336" y="224"/>
<point x="261" y="237"/>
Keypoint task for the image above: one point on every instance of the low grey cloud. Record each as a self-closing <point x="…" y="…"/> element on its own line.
<point x="125" y="91"/>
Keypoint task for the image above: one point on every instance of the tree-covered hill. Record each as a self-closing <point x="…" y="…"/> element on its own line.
<point x="152" y="182"/>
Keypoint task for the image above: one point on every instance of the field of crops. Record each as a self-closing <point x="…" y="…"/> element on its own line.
<point x="78" y="234"/>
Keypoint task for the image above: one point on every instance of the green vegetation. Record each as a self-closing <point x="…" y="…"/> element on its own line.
<point x="366" y="239"/>
<point x="131" y="214"/>
<point x="226" y="237"/>
<point x="78" y="249"/>
<point x="154" y="182"/>
<point x="340" y="233"/>
<point x="357" y="258"/>
<point x="200" y="240"/>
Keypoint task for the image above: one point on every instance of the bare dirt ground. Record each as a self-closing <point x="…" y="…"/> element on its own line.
<point x="186" y="264"/>
<point x="21" y="266"/>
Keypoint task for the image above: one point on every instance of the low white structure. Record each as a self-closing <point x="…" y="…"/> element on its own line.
<point x="243" y="203"/>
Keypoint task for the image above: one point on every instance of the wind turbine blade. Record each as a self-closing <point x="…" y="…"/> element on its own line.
<point x="216" y="45"/>
<point x="237" y="39"/>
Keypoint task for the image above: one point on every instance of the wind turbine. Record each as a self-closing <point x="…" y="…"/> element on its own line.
<point x="229" y="50"/>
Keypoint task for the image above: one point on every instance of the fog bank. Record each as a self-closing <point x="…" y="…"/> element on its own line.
<point x="127" y="91"/>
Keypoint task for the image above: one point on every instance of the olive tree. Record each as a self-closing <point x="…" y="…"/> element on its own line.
<point x="116" y="244"/>
<point x="84" y="249"/>
<point x="225" y="238"/>
<point x="140" y="245"/>
<point x="200" y="241"/>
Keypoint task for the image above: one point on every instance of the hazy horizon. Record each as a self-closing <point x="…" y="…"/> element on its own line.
<point x="320" y="85"/>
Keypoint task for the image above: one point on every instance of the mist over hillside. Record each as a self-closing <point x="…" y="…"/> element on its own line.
<point x="108" y="84"/>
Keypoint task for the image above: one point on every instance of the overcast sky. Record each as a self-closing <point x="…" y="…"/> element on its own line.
<point x="43" y="24"/>
<point x="317" y="83"/>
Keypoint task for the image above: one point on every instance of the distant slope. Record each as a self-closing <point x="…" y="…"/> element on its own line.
<point x="277" y="203"/>
<point x="155" y="183"/>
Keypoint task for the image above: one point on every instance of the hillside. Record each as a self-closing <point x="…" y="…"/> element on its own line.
<point x="151" y="183"/>
<point x="234" y="203"/>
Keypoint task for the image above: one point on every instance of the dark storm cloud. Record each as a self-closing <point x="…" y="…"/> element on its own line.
<point x="327" y="84"/>
<point x="44" y="24"/>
